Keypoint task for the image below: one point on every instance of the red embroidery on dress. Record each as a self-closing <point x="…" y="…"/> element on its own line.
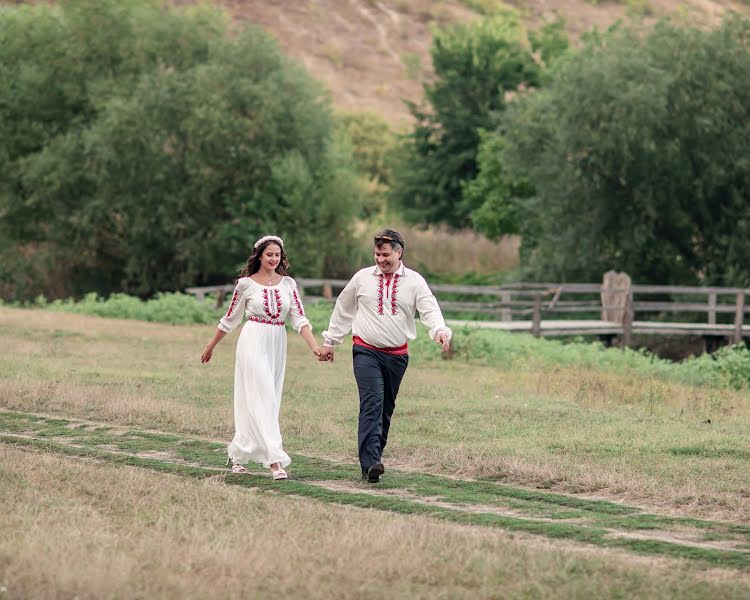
<point x="394" y="295"/>
<point x="299" y="305"/>
<point x="277" y="306"/>
<point x="380" y="294"/>
<point x="264" y="320"/>
<point x="232" y="305"/>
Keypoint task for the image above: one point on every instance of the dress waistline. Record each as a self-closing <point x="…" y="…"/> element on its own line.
<point x="264" y="320"/>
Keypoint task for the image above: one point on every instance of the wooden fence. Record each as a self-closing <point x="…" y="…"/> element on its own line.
<point x="607" y="309"/>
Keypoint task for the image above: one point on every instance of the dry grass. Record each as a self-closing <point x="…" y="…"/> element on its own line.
<point x="568" y="429"/>
<point x="439" y="250"/>
<point x="450" y="253"/>
<point x="89" y="530"/>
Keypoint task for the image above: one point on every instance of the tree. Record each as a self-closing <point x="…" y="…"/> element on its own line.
<point x="475" y="66"/>
<point x="637" y="149"/>
<point x="151" y="148"/>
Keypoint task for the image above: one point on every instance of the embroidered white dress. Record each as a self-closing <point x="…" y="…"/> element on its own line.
<point x="259" y="368"/>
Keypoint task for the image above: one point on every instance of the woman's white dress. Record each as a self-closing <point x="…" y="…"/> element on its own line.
<point x="259" y="366"/>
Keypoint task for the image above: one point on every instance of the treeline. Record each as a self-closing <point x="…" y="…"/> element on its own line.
<point x="630" y="152"/>
<point x="144" y="148"/>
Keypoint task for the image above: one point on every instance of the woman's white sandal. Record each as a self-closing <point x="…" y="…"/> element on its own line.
<point x="280" y="474"/>
<point x="238" y="469"/>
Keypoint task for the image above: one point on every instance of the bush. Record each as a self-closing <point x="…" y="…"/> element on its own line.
<point x="174" y="308"/>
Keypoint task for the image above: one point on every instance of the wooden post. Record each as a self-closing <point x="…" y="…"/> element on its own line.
<point x="627" y="321"/>
<point x="327" y="291"/>
<point x="536" y="319"/>
<point x="738" y="317"/>
<point x="220" y="297"/>
<point x="505" y="313"/>
<point x="712" y="308"/>
<point x="614" y="296"/>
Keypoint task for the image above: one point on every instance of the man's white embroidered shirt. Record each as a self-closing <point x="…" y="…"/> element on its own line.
<point x="382" y="312"/>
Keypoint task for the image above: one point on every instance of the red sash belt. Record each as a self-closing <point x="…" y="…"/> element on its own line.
<point x="358" y="341"/>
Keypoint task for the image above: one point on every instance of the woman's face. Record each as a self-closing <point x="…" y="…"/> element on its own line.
<point x="271" y="257"/>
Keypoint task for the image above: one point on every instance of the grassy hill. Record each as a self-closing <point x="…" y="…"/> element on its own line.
<point x="373" y="54"/>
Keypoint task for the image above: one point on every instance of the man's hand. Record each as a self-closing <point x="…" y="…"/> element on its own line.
<point x="326" y="354"/>
<point x="443" y="340"/>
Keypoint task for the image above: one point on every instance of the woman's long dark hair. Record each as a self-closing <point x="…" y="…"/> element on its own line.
<point x="253" y="263"/>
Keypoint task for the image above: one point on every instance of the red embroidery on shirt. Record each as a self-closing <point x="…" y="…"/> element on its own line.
<point x="264" y="320"/>
<point x="277" y="306"/>
<point x="394" y="295"/>
<point x="232" y="305"/>
<point x="299" y="305"/>
<point x="380" y="294"/>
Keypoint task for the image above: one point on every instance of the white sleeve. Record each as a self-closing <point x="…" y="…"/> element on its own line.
<point x="429" y="311"/>
<point x="343" y="315"/>
<point x="297" y="312"/>
<point x="233" y="318"/>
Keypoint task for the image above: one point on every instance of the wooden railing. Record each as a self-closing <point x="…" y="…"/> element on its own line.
<point x="615" y="302"/>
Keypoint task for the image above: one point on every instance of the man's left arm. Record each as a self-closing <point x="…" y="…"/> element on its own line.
<point x="432" y="317"/>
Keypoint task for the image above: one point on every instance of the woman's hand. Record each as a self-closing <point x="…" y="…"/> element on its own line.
<point x="206" y="355"/>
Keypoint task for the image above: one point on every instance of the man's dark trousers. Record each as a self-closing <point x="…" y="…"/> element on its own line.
<point x="378" y="376"/>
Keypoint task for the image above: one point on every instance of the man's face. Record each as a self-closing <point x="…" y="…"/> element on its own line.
<point x="387" y="258"/>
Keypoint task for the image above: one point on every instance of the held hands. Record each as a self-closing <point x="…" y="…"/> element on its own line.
<point x="322" y="355"/>
<point x="326" y="354"/>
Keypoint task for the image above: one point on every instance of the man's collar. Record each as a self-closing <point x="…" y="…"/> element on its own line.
<point x="401" y="271"/>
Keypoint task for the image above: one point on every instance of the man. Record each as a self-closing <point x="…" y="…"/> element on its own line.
<point x="378" y="306"/>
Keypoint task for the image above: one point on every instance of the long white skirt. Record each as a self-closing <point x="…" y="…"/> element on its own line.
<point x="258" y="383"/>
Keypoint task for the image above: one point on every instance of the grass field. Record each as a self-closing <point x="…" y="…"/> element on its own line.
<point x="541" y="481"/>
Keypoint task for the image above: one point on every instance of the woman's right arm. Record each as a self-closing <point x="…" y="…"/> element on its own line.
<point x="231" y="320"/>
<point x="209" y="349"/>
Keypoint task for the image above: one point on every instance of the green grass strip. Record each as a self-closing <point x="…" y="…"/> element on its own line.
<point x="594" y="513"/>
<point x="596" y="536"/>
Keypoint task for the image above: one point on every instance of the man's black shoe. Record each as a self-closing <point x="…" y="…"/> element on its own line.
<point x="374" y="472"/>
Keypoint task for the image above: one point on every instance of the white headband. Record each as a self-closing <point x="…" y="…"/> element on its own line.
<point x="266" y="238"/>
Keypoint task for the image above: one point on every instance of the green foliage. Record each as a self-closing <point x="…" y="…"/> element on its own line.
<point x="728" y="367"/>
<point x="551" y="41"/>
<point x="149" y="147"/>
<point x="489" y="7"/>
<point x="475" y="65"/>
<point x="174" y="308"/>
<point x="413" y="64"/>
<point x="637" y="149"/>
<point x="372" y="143"/>
<point x="639" y="8"/>
<point x="498" y="212"/>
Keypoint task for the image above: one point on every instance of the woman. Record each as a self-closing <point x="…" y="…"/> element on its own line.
<point x="267" y="296"/>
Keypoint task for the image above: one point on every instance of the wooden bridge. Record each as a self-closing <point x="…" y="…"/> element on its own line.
<point x="606" y="310"/>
